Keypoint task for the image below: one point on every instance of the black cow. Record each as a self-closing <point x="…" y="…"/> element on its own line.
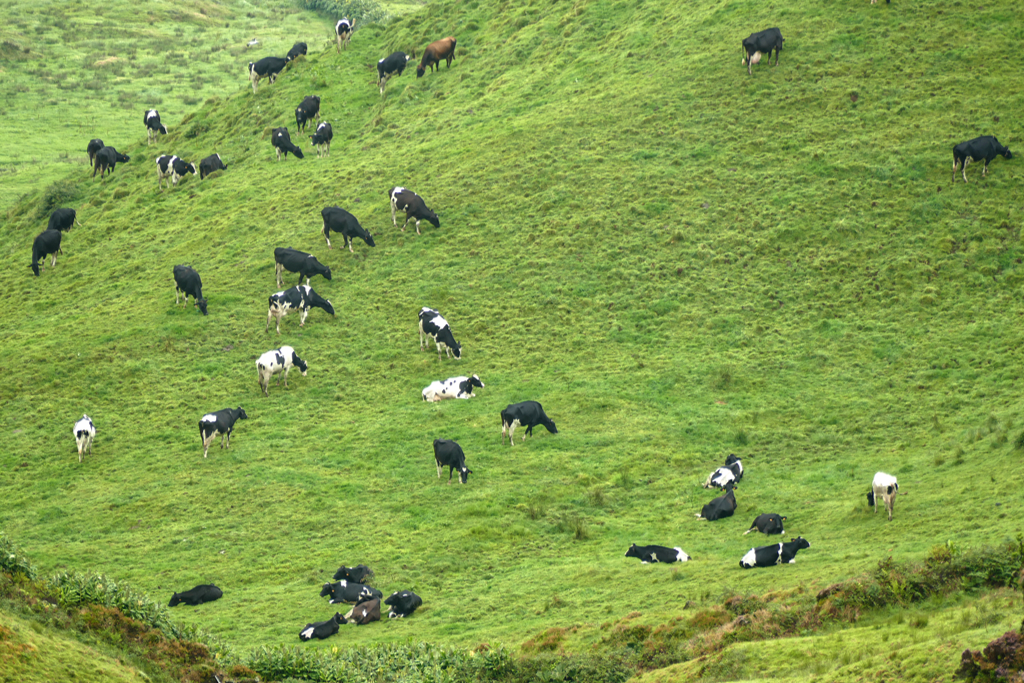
<point x="63" y="219"/>
<point x="768" y="523"/>
<point x="322" y="629"/>
<point x="527" y="414"/>
<point x="720" y="507"/>
<point x="206" y="592"/>
<point x="282" y="142"/>
<point x="344" y="29"/>
<point x="402" y="604"/>
<point x="307" y="110"/>
<point x="322" y="139"/>
<point x="301" y="297"/>
<point x="298" y="50"/>
<point x="295" y="261"/>
<point x="340" y="220"/>
<point x="758" y="44"/>
<point x="434" y="53"/>
<point x="358" y="574"/>
<point x="448" y="453"/>
<point x="107" y="159"/>
<point x="769" y="555"/>
<point x="392" y="65"/>
<point x="221" y="422"/>
<point x="172" y="168"/>
<point x="349" y="591"/>
<point x="268" y="67"/>
<point x="153" y="126"/>
<point x="95" y="145"/>
<point x="986" y="147"/>
<point x="188" y="282"/>
<point x="657" y="553"/>
<point x="47" y="242"/>
<point x="210" y="164"/>
<point x="367" y="610"/>
<point x="414" y="207"/>
<point x="434" y="326"/>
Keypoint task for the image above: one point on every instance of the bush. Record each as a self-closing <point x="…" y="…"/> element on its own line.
<point x="13" y="562"/>
<point x="57" y="195"/>
<point x="362" y="11"/>
<point x="1001" y="660"/>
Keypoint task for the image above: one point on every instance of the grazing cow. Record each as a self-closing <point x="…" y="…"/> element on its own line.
<point x="768" y="523"/>
<point x="206" y="592"/>
<point x="720" y="507"/>
<point x="295" y="261"/>
<point x="268" y="67"/>
<point x="731" y="471"/>
<point x="279" y="360"/>
<point x="402" y="604"/>
<point x="358" y="574"/>
<point x="392" y="65"/>
<point x="986" y="147"/>
<point x="768" y="555"/>
<point x="366" y="611"/>
<point x="298" y="50"/>
<point x="453" y="387"/>
<point x="527" y="414"/>
<point x="107" y="159"/>
<point x="414" y="207"/>
<point x="348" y="591"/>
<point x="322" y="629"/>
<point x="656" y="553"/>
<point x="47" y="242"/>
<point x="153" y="126"/>
<point x="95" y="145"/>
<point x="435" y="52"/>
<point x="173" y="169"/>
<point x="301" y="297"/>
<point x="448" y="453"/>
<point x="434" y="326"/>
<point x="340" y="220"/>
<point x="322" y="139"/>
<point x="84" y="431"/>
<point x="344" y="29"/>
<point x="221" y="422"/>
<point x="282" y="142"/>
<point x="758" y="44"/>
<point x="63" y="219"/>
<point x="883" y="486"/>
<point x="188" y="282"/>
<point x="307" y="110"/>
<point x="210" y="164"/>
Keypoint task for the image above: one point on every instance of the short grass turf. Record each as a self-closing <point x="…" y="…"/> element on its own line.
<point x="678" y="260"/>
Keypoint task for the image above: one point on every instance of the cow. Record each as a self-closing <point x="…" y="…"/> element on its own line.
<point x="343" y="29"/>
<point x="282" y="142"/>
<point x="414" y="207"/>
<point x="84" y="431"/>
<point x="172" y="168"/>
<point x="448" y="453"/>
<point x="107" y="159"/>
<point x="769" y="523"/>
<point x="298" y="50"/>
<point x="221" y="422"/>
<point x="301" y="297"/>
<point x="731" y="471"/>
<point x="268" y="67"/>
<point x="203" y="593"/>
<point x="94" y="146"/>
<point x="295" y="261"/>
<point x="348" y="591"/>
<point x="63" y="219"/>
<point x="307" y="110"/>
<point x="402" y="604"/>
<point x="47" y="242"/>
<point x="322" y="139"/>
<point x="358" y="574"/>
<point x="322" y="629"/>
<point x="435" y="52"/>
<point x="657" y="553"/>
<point x="340" y="220"/>
<point x="366" y="611"/>
<point x="986" y="147"/>
<point x="758" y="44"/>
<point x="279" y="360"/>
<point x="434" y="326"/>
<point x="392" y="65"/>
<point x="527" y="414"/>
<point x="153" y="126"/>
<point x="720" y="507"/>
<point x="874" y="1"/>
<point x="453" y="387"/>
<point x="188" y="282"/>
<point x="883" y="486"/>
<point x="769" y="555"/>
<point x="210" y="164"/>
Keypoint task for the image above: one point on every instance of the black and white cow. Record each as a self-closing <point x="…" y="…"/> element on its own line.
<point x="770" y="555"/>
<point x="301" y="298"/>
<point x="172" y="168"/>
<point x="768" y="523"/>
<point x="94" y="146"/>
<point x="206" y="592"/>
<point x="392" y="65"/>
<point x="47" y="242"/>
<point x="402" y="604"/>
<point x="657" y="553"/>
<point x="295" y="261"/>
<point x="986" y="147"/>
<point x="268" y="67"/>
<point x="153" y="126"/>
<point x="883" y="486"/>
<point x="434" y="326"/>
<point x="63" y="219"/>
<point x="322" y="629"/>
<point x="453" y="387"/>
<point x="349" y="591"/>
<point x="307" y="110"/>
<point x="448" y="453"/>
<point x="298" y="50"/>
<point x="220" y="423"/>
<point x="279" y="360"/>
<point x="732" y="471"/>
<point x="343" y="29"/>
<point x="84" y="431"/>
<point x="340" y="220"/>
<point x="282" y="142"/>
<point x="107" y="159"/>
<point x="758" y="44"/>
<point x="322" y="139"/>
<point x="188" y="282"/>
<point x="210" y="164"/>
<point x="721" y="507"/>
<point x="406" y="200"/>
<point x="358" y="574"/>
<point x="527" y="414"/>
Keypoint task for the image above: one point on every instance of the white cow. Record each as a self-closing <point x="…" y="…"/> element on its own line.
<point x="884" y="486"/>
<point x="453" y="387"/>
<point x="84" y="432"/>
<point x="279" y="360"/>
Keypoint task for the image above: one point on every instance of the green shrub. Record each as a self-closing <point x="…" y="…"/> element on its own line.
<point x="12" y="561"/>
<point x="57" y="195"/>
<point x="362" y="11"/>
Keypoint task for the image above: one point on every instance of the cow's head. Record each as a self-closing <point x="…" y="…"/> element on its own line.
<point x="328" y="589"/>
<point x="175" y="599"/>
<point x="241" y="414"/>
<point x="191" y="168"/>
<point x="420" y="71"/>
<point x="801" y="542"/>
<point x="464" y="474"/>
<point x="474" y="381"/>
<point x="369" y="240"/>
<point x="299" y="363"/>
<point x="1007" y="154"/>
<point x="434" y="220"/>
<point x="633" y="551"/>
<point x="201" y="305"/>
<point x="457" y="350"/>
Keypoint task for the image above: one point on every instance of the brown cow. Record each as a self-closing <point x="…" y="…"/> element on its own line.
<point x="435" y="52"/>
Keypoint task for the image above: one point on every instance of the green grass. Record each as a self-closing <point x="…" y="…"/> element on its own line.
<point x="678" y="260"/>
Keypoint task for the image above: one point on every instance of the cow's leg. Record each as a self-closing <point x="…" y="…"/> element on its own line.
<point x="417" y="226"/>
<point x="778" y="51"/>
<point x="279" y="316"/>
<point x="395" y="222"/>
<point x="207" y="440"/>
<point x="270" y="314"/>
<point x="285" y="374"/>
<point x="503" y="425"/>
<point x="53" y="259"/>
<point x="339" y="43"/>
<point x="967" y="160"/>
<point x="956" y="165"/>
<point x="278" y="153"/>
<point x="438" y="462"/>
<point x="302" y="320"/>
<point x="277" y="272"/>
<point x="984" y="170"/>
<point x="326" y="231"/>
<point x="350" y="241"/>
<point x="511" y="432"/>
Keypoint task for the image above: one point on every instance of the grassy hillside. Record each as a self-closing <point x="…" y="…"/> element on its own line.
<point x="678" y="260"/>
